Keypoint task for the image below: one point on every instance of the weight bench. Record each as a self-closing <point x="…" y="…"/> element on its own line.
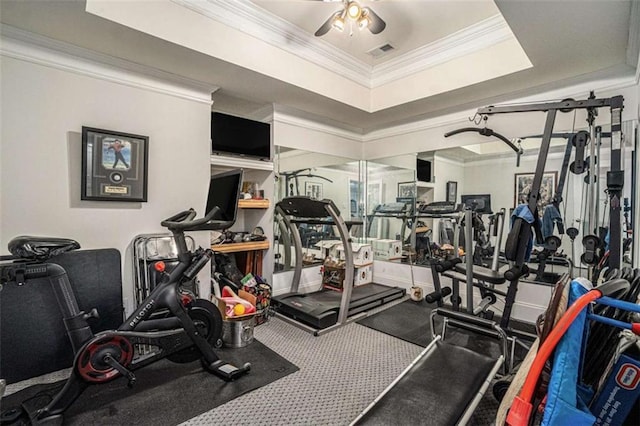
<point x="442" y="386"/>
<point x="477" y="276"/>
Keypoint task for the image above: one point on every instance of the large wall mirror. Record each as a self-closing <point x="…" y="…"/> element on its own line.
<point x="486" y="177"/>
<point x="320" y="176"/>
<point x="390" y="198"/>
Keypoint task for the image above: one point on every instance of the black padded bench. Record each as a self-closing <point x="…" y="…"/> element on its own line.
<point x="442" y="386"/>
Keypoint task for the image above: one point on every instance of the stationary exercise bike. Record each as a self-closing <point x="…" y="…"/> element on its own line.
<point x="170" y="323"/>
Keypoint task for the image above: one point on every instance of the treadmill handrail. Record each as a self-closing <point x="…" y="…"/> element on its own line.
<point x="306" y="207"/>
<point x="345" y="238"/>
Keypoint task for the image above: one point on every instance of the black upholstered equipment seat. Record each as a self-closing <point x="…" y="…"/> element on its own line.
<point x="435" y="391"/>
<point x="40" y="248"/>
<point x="480" y="273"/>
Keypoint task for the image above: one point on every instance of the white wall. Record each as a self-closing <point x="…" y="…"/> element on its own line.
<point x="44" y="105"/>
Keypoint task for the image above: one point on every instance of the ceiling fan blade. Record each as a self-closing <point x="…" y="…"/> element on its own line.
<point x="324" y="28"/>
<point x="376" y="23"/>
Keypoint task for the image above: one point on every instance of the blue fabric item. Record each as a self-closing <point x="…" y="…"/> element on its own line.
<point x="564" y="405"/>
<point x="523" y="212"/>
<point x="607" y="240"/>
<point x="550" y="218"/>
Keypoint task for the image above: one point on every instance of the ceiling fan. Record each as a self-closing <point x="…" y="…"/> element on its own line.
<point x="352" y="12"/>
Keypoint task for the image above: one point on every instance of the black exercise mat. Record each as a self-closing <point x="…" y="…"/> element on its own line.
<point x="165" y="393"/>
<point x="409" y="321"/>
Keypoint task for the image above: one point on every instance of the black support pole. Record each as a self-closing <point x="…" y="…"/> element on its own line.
<point x="615" y="180"/>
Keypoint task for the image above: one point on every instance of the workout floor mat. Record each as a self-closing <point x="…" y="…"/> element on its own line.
<point x="340" y="373"/>
<point x="166" y="393"/>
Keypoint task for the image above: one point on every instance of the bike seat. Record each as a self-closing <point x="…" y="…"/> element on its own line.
<point x="40" y="248"/>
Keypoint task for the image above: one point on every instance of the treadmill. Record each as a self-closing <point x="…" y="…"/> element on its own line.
<point x="325" y="310"/>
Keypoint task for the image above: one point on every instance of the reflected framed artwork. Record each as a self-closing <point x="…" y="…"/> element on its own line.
<point x="313" y="190"/>
<point x="406" y="189"/>
<point x="524" y="181"/>
<point x="452" y="191"/>
<point x="114" y="165"/>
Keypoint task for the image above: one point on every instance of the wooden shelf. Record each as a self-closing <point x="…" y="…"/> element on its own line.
<point x="241" y="163"/>
<point x="253" y="204"/>
<point x="240" y="247"/>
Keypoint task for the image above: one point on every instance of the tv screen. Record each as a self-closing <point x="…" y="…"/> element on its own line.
<point x="224" y="191"/>
<point x="478" y="203"/>
<point x="240" y="136"/>
<point x="423" y="170"/>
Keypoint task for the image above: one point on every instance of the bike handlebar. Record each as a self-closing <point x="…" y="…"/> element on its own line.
<point x="183" y="221"/>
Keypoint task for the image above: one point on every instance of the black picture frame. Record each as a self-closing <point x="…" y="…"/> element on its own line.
<point x="114" y="165"/>
<point x="522" y="186"/>
<point x="452" y="191"/>
<point x="407" y="189"/>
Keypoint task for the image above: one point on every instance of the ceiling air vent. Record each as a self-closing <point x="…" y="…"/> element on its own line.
<point x="380" y="50"/>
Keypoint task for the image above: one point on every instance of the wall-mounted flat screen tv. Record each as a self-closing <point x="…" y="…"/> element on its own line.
<point x="231" y="135"/>
<point x="423" y="170"/>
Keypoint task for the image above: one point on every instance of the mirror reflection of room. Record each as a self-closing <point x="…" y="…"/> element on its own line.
<point x="390" y="201"/>
<point x="487" y="178"/>
<point x="318" y="176"/>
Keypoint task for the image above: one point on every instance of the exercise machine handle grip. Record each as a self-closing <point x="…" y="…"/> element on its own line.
<point x="183" y="220"/>
<point x="437" y="295"/>
<point x="467" y="318"/>
<point x="516" y="273"/>
<point x="447" y="264"/>
<point x="178" y="218"/>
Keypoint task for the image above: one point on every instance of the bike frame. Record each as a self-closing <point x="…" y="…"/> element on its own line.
<point x="136" y="328"/>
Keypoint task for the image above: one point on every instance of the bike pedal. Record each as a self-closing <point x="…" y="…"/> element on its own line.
<point x="11" y="415"/>
<point x="132" y="381"/>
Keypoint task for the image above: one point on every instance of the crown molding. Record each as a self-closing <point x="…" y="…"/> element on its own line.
<point x="41" y="50"/>
<point x="264" y="25"/>
<point x="259" y="23"/>
<point x="577" y="90"/>
<point x="281" y="117"/>
<point x="476" y="37"/>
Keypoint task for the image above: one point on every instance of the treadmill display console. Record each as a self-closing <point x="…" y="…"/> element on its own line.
<point x="392" y="208"/>
<point x="439" y="207"/>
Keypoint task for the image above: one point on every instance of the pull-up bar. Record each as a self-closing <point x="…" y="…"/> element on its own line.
<point x="485" y="131"/>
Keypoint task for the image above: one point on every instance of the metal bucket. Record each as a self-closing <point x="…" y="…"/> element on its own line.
<point x="238" y="333"/>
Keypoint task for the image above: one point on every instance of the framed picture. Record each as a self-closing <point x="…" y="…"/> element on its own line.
<point x="313" y="190"/>
<point x="407" y="189"/>
<point x="114" y="165"/>
<point x="524" y="181"/>
<point x="452" y="191"/>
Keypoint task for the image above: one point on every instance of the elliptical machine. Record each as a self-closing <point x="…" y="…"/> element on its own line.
<point x="172" y="322"/>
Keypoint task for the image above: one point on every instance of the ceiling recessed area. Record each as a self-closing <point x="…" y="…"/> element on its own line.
<point x="447" y="56"/>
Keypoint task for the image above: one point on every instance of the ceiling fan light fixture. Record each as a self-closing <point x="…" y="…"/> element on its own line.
<point x="354" y="10"/>
<point x="363" y="22"/>
<point x="338" y="23"/>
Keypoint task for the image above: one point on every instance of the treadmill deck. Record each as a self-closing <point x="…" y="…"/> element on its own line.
<point x="320" y="309"/>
